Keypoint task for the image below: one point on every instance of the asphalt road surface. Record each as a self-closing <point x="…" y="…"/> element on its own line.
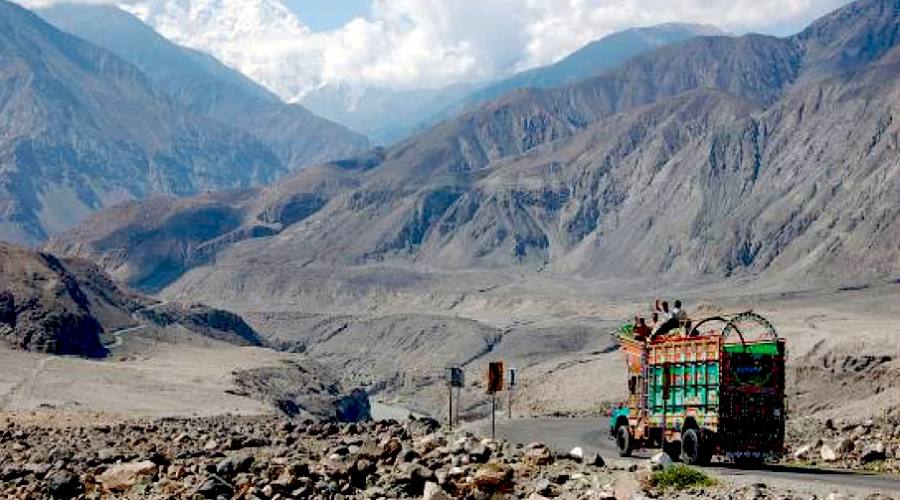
<point x="591" y="434"/>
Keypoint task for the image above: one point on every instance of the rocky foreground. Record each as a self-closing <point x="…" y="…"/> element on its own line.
<point x="271" y="457"/>
<point x="873" y="444"/>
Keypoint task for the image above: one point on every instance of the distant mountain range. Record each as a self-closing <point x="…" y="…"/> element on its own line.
<point x="200" y="84"/>
<point x="387" y="116"/>
<point x="713" y="157"/>
<point x="84" y="129"/>
<point x="594" y="58"/>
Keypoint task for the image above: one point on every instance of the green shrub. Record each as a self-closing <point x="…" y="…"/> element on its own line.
<point x="680" y="477"/>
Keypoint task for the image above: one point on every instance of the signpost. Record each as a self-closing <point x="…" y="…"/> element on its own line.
<point x="510" y="386"/>
<point x="494" y="385"/>
<point x="455" y="379"/>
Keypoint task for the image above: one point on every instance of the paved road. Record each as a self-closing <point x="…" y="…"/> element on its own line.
<point x="592" y="435"/>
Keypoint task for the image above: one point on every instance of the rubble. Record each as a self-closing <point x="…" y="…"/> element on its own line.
<point x="271" y="457"/>
<point x="863" y="445"/>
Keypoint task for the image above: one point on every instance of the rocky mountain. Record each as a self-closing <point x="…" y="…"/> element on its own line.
<point x="387" y="116"/>
<point x="43" y="307"/>
<point x="202" y="85"/>
<point x="593" y="59"/>
<point x="69" y="306"/>
<point x="714" y="157"/>
<point x="83" y="129"/>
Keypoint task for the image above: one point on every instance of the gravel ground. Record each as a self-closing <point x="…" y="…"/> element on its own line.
<point x="270" y="457"/>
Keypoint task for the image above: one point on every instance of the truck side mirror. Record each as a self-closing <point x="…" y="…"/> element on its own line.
<point x="632" y="384"/>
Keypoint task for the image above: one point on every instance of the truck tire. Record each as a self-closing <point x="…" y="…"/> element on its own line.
<point x="693" y="449"/>
<point x="623" y="441"/>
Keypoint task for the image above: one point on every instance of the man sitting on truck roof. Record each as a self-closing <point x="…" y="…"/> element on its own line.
<point x="679" y="313"/>
<point x="672" y="319"/>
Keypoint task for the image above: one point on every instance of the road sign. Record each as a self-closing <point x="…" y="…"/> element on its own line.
<point x="495" y="377"/>
<point x="456" y="377"/>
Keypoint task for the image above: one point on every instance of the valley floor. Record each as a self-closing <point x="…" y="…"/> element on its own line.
<point x="170" y="380"/>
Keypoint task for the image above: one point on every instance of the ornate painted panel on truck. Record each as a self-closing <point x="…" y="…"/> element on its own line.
<point x="714" y="389"/>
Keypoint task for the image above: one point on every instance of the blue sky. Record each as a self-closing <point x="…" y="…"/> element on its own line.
<point x="326" y="15"/>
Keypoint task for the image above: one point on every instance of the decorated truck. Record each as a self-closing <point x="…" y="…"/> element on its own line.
<point x="716" y="388"/>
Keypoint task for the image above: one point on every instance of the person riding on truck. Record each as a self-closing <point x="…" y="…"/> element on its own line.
<point x="641" y="330"/>
<point x="672" y="319"/>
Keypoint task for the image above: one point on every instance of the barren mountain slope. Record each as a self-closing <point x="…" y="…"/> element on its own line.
<point x="695" y="185"/>
<point x="83" y="129"/>
<point x="69" y="306"/>
<point x="202" y="85"/>
<point x="594" y="58"/>
<point x="176" y="234"/>
<point x="43" y="307"/>
<point x="447" y="160"/>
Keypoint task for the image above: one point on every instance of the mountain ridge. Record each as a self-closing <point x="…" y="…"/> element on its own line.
<point x="693" y="160"/>
<point x="202" y="85"/>
<point x="417" y="110"/>
<point x="594" y="58"/>
<point x="70" y="307"/>
<point x="84" y="128"/>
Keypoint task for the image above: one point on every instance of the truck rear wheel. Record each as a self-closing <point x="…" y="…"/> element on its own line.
<point x="693" y="448"/>
<point x="623" y="441"/>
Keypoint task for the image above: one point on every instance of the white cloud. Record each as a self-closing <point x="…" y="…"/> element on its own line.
<point x="408" y="44"/>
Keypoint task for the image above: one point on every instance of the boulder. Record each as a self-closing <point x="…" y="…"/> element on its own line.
<point x="234" y="465"/>
<point x="120" y="478"/>
<point x="660" y="461"/>
<point x="845" y="445"/>
<point x="434" y="492"/>
<point x="873" y="452"/>
<point x="360" y="472"/>
<point x="456" y="472"/>
<point x="64" y="485"/>
<point x="335" y="467"/>
<point x="414" y="477"/>
<point x="597" y="461"/>
<point x="827" y="453"/>
<point x="538" y="454"/>
<point x="431" y="442"/>
<point x="479" y="452"/>
<point x="544" y="487"/>
<point x="802" y="452"/>
<point x="493" y="478"/>
<point x="408" y="455"/>
<point x="576" y="454"/>
<point x="214" y="487"/>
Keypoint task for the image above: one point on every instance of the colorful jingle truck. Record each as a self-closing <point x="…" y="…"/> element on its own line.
<point x="713" y="389"/>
